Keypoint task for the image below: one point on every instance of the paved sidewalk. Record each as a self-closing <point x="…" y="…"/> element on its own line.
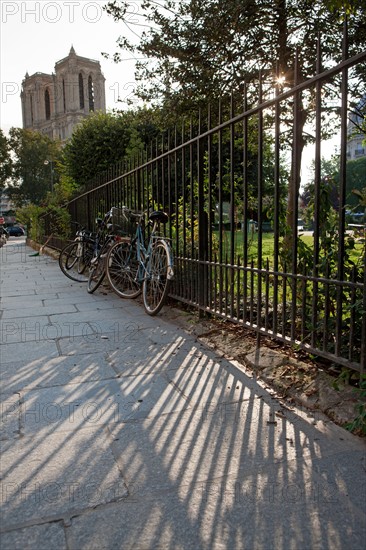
<point x="122" y="431"/>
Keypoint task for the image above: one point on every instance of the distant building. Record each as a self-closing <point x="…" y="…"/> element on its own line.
<point x="6" y="206"/>
<point x="355" y="147"/>
<point x="55" y="104"/>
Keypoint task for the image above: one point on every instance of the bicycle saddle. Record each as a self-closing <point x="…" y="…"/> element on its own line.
<point x="159" y="216"/>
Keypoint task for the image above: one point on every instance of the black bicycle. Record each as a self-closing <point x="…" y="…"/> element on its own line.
<point x="74" y="259"/>
<point x="109" y="232"/>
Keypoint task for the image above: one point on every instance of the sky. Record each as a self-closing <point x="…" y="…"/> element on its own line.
<point x="34" y="35"/>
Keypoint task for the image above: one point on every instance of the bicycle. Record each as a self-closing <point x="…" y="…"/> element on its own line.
<point x="133" y="268"/>
<point x="107" y="235"/>
<point x="76" y="256"/>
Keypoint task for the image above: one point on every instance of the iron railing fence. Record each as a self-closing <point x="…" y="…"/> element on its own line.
<point x="230" y="180"/>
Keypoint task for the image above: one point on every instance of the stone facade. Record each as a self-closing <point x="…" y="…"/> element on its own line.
<point x="356" y="147"/>
<point x="54" y="104"/>
<point x="5" y="206"/>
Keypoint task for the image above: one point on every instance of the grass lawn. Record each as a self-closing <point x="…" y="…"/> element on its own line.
<point x="268" y="246"/>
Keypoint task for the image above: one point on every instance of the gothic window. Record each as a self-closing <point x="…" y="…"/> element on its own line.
<point x="31" y="109"/>
<point x="81" y="91"/>
<point x="91" y="93"/>
<point x="47" y="104"/>
<point x="64" y="94"/>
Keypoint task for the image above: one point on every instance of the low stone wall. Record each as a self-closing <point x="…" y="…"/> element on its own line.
<point x="43" y="249"/>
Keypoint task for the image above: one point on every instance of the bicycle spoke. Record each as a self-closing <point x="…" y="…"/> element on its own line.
<point x="122" y="270"/>
<point x="69" y="265"/>
<point x="96" y="275"/>
<point x="156" y="282"/>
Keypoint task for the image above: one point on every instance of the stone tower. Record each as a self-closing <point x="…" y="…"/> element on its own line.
<point x="54" y="104"/>
<point x="355" y="146"/>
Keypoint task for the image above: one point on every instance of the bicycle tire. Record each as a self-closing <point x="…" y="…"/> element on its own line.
<point x="68" y="262"/>
<point x="85" y="258"/>
<point x="122" y="269"/>
<point x="81" y="265"/>
<point x="96" y="274"/>
<point x="156" y="282"/>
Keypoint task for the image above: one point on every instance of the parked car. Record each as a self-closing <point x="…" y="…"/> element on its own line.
<point x="15" y="231"/>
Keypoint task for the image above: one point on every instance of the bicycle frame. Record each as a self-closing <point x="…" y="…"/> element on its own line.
<point x="143" y="262"/>
<point x="103" y="238"/>
<point x="143" y="253"/>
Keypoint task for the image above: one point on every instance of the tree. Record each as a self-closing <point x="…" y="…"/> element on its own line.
<point x="5" y="161"/>
<point x="329" y="172"/>
<point x="355" y="185"/>
<point x="208" y="48"/>
<point x="200" y="50"/>
<point x="32" y="177"/>
<point x="356" y="180"/>
<point x="103" y="139"/>
<point x="346" y="7"/>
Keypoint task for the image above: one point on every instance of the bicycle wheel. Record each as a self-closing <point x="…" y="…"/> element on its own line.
<point x="96" y="274"/>
<point x="156" y="281"/>
<point x="85" y="256"/>
<point x="122" y="270"/>
<point x="68" y="262"/>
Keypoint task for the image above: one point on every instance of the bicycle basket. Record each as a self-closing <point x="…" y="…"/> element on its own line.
<point x="121" y="222"/>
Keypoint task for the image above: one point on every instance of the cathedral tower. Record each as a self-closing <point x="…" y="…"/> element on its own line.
<point x="54" y="104"/>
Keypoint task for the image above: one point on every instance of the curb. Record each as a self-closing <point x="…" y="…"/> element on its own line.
<point x="46" y="250"/>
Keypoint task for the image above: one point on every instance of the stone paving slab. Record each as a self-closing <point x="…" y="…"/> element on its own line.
<point x="17" y="376"/>
<point x="201" y="449"/>
<point x="10" y="415"/>
<point x="11" y="291"/>
<point x="50" y="536"/>
<point x="27" y="274"/>
<point x="79" y="299"/>
<point x="38" y="311"/>
<point x="58" y="475"/>
<point x="14" y="251"/>
<point x="268" y="507"/>
<point x="28" y="351"/>
<point x="27" y="329"/>
<point x="45" y="328"/>
<point x="63" y="286"/>
<point x="113" y="304"/>
<point x="29" y="301"/>
<point x="44" y="298"/>
<point x="116" y="332"/>
<point x="7" y="288"/>
<point x="16" y="294"/>
<point x="119" y="330"/>
<point x="205" y="381"/>
<point x="211" y="442"/>
<point x="96" y="341"/>
<point x="178" y="353"/>
<point x="344" y="474"/>
<point x="98" y="403"/>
